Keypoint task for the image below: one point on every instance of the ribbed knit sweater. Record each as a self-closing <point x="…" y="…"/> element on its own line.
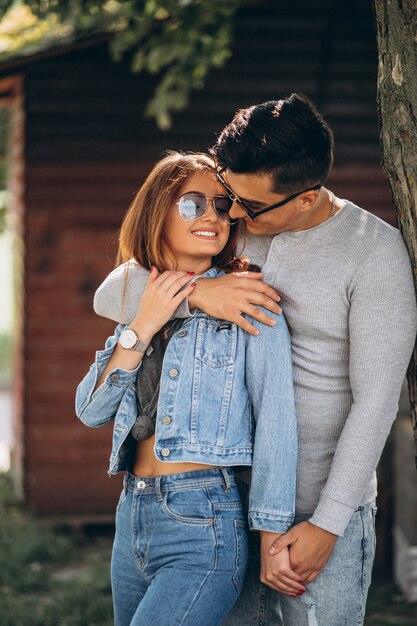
<point x="349" y="301"/>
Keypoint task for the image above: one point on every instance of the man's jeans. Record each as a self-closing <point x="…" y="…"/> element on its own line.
<point x="336" y="598"/>
<point x="180" y="550"/>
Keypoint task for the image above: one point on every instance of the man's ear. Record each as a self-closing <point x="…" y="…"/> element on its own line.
<point x="308" y="199"/>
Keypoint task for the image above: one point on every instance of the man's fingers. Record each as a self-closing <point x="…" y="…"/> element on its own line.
<point x="247" y="326"/>
<point x="258" y="314"/>
<point x="257" y="286"/>
<point x="312" y="577"/>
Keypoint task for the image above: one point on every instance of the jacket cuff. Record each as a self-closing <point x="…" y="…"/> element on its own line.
<point x="270" y="522"/>
<point x="332" y="515"/>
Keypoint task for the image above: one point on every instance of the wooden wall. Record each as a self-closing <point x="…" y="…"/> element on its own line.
<point x="88" y="149"/>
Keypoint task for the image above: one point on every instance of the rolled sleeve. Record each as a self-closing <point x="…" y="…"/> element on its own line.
<point x="96" y="408"/>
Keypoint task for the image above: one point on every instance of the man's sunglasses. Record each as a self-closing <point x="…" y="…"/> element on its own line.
<point x="193" y="205"/>
<point x="245" y="206"/>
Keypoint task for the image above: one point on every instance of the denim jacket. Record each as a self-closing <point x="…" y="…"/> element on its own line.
<point x="226" y="398"/>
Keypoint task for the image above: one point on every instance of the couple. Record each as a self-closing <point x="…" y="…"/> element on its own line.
<point x="199" y="380"/>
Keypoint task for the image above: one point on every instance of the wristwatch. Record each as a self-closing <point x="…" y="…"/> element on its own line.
<point x="130" y="341"/>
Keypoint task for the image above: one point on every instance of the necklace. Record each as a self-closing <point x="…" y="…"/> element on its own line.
<point x="334" y="208"/>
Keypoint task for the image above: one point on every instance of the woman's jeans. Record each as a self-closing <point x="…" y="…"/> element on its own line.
<point x="180" y="550"/>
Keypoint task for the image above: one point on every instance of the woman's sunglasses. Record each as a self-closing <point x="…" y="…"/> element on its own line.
<point x="191" y="206"/>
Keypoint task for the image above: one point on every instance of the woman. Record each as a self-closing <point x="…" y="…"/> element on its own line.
<point x="190" y="399"/>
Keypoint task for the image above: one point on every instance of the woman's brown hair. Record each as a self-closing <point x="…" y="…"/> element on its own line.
<point x="141" y="233"/>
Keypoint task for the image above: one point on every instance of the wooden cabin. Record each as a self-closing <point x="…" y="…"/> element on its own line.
<point x="80" y="147"/>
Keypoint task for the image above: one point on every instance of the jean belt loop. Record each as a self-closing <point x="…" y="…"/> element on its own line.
<point x="158" y="488"/>
<point x="226" y="478"/>
<point x="125" y="484"/>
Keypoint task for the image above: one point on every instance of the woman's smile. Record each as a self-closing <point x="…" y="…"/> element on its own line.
<point x="205" y="234"/>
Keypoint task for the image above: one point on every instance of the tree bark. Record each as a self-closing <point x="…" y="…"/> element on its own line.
<point x="396" y="23"/>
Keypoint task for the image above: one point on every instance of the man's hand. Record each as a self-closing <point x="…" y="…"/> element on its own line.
<point x="276" y="571"/>
<point x="310" y="547"/>
<point x="228" y="297"/>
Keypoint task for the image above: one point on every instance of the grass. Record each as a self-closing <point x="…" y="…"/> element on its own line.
<point x="60" y="578"/>
<point x="49" y="577"/>
<point x="386" y="605"/>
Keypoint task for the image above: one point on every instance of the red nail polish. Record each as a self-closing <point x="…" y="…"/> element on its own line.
<point x="191" y="273"/>
<point x="293" y="596"/>
<point x="193" y="284"/>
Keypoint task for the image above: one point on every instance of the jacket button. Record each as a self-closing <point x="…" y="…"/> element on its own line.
<point x="268" y="276"/>
<point x="173" y="372"/>
<point x="182" y="333"/>
<point x="165" y="451"/>
<point x="166" y="419"/>
<point x="114" y="378"/>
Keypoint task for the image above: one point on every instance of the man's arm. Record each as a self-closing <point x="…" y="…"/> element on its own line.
<point x="382" y="329"/>
<point x="226" y="297"/>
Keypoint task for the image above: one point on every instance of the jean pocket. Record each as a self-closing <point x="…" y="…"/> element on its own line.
<point x="242" y="548"/>
<point x="191" y="506"/>
<point x="215" y="347"/>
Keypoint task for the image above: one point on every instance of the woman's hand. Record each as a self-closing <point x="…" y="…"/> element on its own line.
<point x="160" y="300"/>
<point x="276" y="570"/>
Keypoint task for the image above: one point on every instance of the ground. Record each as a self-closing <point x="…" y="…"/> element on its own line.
<point x="60" y="577"/>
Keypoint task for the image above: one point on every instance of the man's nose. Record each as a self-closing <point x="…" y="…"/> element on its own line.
<point x="236" y="211"/>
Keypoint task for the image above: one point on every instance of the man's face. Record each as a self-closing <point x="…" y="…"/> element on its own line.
<point x="255" y="190"/>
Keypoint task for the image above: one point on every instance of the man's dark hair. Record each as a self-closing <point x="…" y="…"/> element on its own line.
<point x="288" y="139"/>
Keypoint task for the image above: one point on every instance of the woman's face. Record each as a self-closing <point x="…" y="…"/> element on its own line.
<point x="195" y="242"/>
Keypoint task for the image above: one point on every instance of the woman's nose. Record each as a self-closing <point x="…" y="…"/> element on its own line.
<point x="210" y="214"/>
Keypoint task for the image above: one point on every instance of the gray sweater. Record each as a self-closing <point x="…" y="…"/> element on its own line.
<point x="349" y="301"/>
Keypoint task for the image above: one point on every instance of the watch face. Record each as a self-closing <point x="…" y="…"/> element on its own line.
<point x="128" y="339"/>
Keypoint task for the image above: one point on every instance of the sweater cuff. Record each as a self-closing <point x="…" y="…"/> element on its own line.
<point x="332" y="516"/>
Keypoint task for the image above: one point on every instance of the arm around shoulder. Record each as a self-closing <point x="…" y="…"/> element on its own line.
<point x="118" y="297"/>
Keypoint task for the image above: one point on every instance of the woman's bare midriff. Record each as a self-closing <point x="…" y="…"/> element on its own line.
<point x="146" y="463"/>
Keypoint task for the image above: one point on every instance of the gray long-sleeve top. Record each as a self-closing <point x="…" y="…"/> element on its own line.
<point x="349" y="301"/>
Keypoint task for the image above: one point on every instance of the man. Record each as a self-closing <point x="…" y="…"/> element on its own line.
<point x="346" y="291"/>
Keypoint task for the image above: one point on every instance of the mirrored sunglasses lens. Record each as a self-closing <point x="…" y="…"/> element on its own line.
<point x="223" y="206"/>
<point x="192" y="206"/>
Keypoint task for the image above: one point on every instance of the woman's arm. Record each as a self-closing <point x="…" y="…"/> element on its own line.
<point x="97" y="406"/>
<point x="115" y="369"/>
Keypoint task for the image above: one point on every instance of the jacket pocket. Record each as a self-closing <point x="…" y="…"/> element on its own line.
<point x="216" y="342"/>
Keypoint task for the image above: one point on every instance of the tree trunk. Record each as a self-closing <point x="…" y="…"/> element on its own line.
<point x="396" y="23"/>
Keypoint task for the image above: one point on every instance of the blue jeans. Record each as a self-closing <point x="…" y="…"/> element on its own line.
<point x="336" y="598"/>
<point x="180" y="549"/>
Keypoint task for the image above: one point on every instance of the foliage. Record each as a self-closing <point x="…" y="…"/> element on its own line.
<point x="180" y="40"/>
<point x="44" y="577"/>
